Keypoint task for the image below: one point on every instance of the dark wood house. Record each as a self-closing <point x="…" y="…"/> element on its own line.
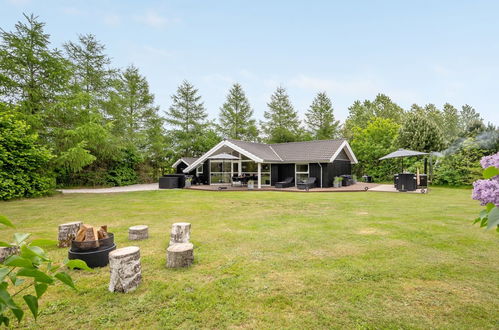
<point x="271" y="163"/>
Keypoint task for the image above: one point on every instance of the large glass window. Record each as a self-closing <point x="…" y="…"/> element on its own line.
<point x="220" y="171"/>
<point x="250" y="168"/>
<point x="301" y="172"/>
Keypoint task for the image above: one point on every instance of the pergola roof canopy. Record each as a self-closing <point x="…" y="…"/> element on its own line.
<point x="403" y="153"/>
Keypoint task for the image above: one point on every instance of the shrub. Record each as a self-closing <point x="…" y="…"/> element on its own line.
<point x="487" y="192"/>
<point x="23" y="163"/>
<point x="461" y="167"/>
<point x="30" y="272"/>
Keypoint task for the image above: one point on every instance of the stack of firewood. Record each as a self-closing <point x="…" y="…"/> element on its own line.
<point x="89" y="236"/>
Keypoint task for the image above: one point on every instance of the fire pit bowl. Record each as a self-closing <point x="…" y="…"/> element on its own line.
<point x="77" y="246"/>
<point x="95" y="258"/>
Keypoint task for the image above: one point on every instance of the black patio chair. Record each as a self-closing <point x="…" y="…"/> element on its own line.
<point x="288" y="182"/>
<point x="310" y="183"/>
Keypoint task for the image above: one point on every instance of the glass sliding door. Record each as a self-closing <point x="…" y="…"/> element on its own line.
<point x="250" y="168"/>
<point x="220" y="172"/>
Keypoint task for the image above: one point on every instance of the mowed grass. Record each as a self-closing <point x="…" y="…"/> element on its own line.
<point x="280" y="260"/>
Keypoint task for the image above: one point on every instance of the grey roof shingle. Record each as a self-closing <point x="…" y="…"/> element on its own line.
<point x="260" y="150"/>
<point x="320" y="150"/>
<point x="189" y="160"/>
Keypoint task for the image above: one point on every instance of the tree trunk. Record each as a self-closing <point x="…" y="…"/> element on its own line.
<point x="67" y="233"/>
<point x="138" y="232"/>
<point x="181" y="233"/>
<point x="7" y="251"/>
<point x="180" y="255"/>
<point x="125" y="269"/>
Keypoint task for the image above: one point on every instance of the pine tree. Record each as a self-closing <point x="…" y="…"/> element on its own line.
<point x="91" y="73"/>
<point x="131" y="107"/>
<point x="320" y="118"/>
<point x="32" y="75"/>
<point x="235" y="116"/>
<point x="187" y="120"/>
<point x="282" y="123"/>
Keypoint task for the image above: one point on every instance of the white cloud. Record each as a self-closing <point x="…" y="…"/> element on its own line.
<point x="153" y="19"/>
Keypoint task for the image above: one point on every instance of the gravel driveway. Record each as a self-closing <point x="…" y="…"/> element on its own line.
<point x="134" y="187"/>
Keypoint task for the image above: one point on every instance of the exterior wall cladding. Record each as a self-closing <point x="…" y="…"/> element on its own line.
<point x="279" y="172"/>
<point x="329" y="170"/>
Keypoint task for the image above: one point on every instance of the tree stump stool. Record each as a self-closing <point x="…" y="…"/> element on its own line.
<point x="180" y="255"/>
<point x="125" y="269"/>
<point x="67" y="233"/>
<point x="7" y="251"/>
<point x="181" y="233"/>
<point x="138" y="232"/>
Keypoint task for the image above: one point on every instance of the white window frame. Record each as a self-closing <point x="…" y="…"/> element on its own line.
<point x="296" y="171"/>
<point x="198" y="171"/>
<point x="256" y="172"/>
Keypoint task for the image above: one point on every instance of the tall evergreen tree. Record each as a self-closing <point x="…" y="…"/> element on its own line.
<point x="91" y="73"/>
<point x="32" y="75"/>
<point x="235" y="116"/>
<point x="320" y="118"/>
<point x="187" y="120"/>
<point x="131" y="107"/>
<point x="282" y="123"/>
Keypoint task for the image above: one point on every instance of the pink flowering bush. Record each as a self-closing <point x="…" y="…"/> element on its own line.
<point x="487" y="192"/>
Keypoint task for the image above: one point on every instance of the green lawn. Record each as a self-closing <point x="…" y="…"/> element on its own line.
<point x="278" y="259"/>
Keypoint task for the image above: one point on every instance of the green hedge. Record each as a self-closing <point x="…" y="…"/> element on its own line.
<point x="22" y="161"/>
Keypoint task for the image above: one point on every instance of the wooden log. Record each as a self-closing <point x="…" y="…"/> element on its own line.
<point x="179" y="255"/>
<point x="80" y="235"/>
<point x="7" y="251"/>
<point x="67" y="233"/>
<point x="138" y="232"/>
<point x="102" y="232"/>
<point x="125" y="269"/>
<point x="181" y="233"/>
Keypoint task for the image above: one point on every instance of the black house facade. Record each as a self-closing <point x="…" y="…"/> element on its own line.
<point x="267" y="164"/>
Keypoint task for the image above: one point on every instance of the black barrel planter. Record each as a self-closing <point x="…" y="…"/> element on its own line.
<point x="96" y="257"/>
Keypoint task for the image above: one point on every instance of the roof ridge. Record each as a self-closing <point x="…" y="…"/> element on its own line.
<point x="309" y="141"/>
<point x="261" y="143"/>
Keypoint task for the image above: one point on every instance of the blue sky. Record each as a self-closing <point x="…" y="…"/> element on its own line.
<point x="413" y="51"/>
